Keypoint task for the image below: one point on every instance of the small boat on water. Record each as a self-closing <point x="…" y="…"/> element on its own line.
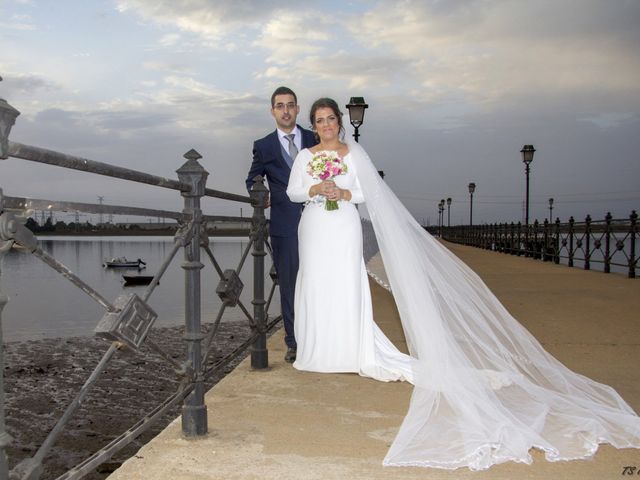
<point x="137" y="279"/>
<point x="122" y="262"/>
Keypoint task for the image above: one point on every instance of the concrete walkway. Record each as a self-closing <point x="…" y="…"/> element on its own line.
<point x="285" y="424"/>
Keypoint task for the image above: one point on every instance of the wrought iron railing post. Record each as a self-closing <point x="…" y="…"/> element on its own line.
<point x="535" y="243"/>
<point x="632" y="240"/>
<point x="607" y="243"/>
<point x="194" y="410"/>
<point x="587" y="236"/>
<point x="571" y="222"/>
<point x="259" y="352"/>
<point x="557" y="243"/>
<point x="545" y="242"/>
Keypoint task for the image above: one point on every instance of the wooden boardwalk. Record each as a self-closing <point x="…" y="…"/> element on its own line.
<point x="285" y="424"/>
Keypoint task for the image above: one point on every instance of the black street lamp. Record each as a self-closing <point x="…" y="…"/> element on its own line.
<point x="449" y="212"/>
<point x="472" y="188"/>
<point x="527" y="157"/>
<point x="551" y="210"/>
<point x="440" y="216"/>
<point x="356" y="107"/>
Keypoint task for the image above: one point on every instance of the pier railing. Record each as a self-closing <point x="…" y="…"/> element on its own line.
<point x="609" y="244"/>
<point x="129" y="318"/>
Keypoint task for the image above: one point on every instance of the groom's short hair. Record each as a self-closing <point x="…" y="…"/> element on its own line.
<point x="282" y="91"/>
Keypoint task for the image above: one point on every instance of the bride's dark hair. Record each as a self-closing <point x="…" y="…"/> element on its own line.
<point x="326" y="102"/>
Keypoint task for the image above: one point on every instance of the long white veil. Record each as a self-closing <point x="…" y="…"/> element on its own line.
<point x="485" y="391"/>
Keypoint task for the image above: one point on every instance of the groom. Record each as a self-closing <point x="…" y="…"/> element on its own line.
<point x="273" y="157"/>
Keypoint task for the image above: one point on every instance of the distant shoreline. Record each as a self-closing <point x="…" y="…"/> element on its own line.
<point x="227" y="232"/>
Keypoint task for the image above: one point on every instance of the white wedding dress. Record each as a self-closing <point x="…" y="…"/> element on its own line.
<point x="334" y="326"/>
<point x="486" y="392"/>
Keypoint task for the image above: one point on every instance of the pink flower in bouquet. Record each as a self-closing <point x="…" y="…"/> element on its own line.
<point x="324" y="165"/>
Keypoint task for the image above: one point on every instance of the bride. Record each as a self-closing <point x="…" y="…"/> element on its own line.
<point x="486" y="392"/>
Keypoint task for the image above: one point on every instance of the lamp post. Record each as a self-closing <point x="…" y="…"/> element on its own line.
<point x="551" y="210"/>
<point x="449" y="212"/>
<point x="441" y="214"/>
<point x="356" y="107"/>
<point x="472" y="188"/>
<point x="527" y="157"/>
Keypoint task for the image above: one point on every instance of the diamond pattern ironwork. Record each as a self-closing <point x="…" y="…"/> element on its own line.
<point x="130" y="323"/>
<point x="230" y="288"/>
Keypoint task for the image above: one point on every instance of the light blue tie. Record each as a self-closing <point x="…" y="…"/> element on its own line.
<point x="293" y="150"/>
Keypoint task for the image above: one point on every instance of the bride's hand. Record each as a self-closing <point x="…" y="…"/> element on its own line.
<point x="325" y="188"/>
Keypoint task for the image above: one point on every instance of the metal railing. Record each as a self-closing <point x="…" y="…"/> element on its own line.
<point x="609" y="242"/>
<point x="129" y="318"/>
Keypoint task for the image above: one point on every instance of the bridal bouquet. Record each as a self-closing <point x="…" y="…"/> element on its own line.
<point x="325" y="165"/>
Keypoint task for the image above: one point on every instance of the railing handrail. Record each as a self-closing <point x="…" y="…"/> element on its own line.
<point x="51" y="157"/>
<point x="25" y="203"/>
<point x="575" y="241"/>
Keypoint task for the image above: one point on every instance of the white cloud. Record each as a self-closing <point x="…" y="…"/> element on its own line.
<point x="169" y="39"/>
<point x="210" y="20"/>
<point x="167" y="67"/>
<point x="16" y="25"/>
<point x="610" y="120"/>
<point x="491" y="50"/>
<point x="290" y="34"/>
<point x="353" y="70"/>
<point x="23" y="83"/>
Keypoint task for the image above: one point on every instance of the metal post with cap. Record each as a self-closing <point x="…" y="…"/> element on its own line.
<point x="194" y="410"/>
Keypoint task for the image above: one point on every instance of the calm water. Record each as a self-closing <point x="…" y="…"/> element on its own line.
<point x="44" y="304"/>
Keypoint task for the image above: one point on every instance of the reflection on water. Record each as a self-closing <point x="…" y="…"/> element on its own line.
<point x="44" y="304"/>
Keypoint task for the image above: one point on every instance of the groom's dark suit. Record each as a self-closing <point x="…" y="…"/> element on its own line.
<point x="269" y="160"/>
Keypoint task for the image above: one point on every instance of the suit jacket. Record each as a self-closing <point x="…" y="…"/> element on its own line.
<point x="268" y="161"/>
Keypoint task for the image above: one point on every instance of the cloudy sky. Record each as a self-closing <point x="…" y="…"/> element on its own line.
<point x="455" y="89"/>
